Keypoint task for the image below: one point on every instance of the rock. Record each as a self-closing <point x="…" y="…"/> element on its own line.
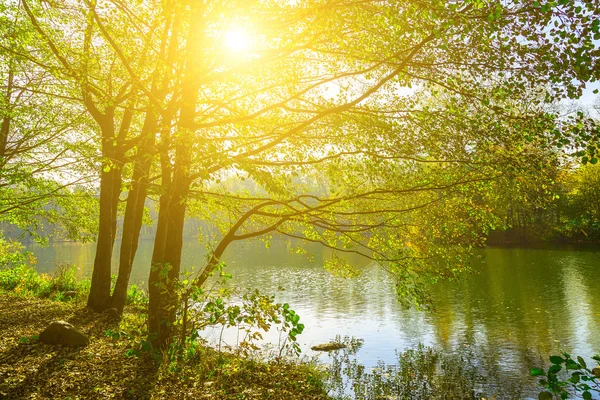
<point x="63" y="333"/>
<point x="70" y="294"/>
<point x="328" y="346"/>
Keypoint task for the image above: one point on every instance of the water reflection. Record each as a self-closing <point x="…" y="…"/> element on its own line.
<point x="520" y="306"/>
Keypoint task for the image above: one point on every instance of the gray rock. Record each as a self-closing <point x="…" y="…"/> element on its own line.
<point x="63" y="333"/>
<point x="328" y="346"/>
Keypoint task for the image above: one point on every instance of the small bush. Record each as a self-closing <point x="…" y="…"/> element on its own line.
<point x="136" y="296"/>
<point x="63" y="279"/>
<point x="25" y="280"/>
<point x="13" y="254"/>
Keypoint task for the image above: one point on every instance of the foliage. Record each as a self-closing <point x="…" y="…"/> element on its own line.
<point x="25" y="280"/>
<point x="45" y="155"/>
<point x="582" y="380"/>
<point x="13" y="254"/>
<point x="22" y="279"/>
<point x="250" y="313"/>
<point x="136" y="296"/>
<point x="582" y="208"/>
<point x="559" y="203"/>
<point x="404" y="113"/>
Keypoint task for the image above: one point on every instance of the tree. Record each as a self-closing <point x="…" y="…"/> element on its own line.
<point x="580" y="209"/>
<point x="406" y="109"/>
<point x="43" y="164"/>
<point x="369" y="50"/>
<point x="110" y="93"/>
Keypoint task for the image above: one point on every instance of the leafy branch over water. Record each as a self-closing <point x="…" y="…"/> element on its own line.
<point x="582" y="379"/>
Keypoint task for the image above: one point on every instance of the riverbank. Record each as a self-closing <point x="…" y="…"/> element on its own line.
<point x="102" y="370"/>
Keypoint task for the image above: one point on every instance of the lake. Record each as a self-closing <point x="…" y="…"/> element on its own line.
<point x="520" y="306"/>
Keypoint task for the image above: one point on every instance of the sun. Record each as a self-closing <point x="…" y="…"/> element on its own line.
<point x="237" y="41"/>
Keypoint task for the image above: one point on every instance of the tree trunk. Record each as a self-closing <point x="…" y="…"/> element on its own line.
<point x="166" y="256"/>
<point x="6" y="119"/>
<point x="134" y="212"/>
<point x="110" y="190"/>
<point x="166" y="263"/>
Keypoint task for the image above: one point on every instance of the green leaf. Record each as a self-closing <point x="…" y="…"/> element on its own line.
<point x="536" y="372"/>
<point x="581" y="361"/>
<point x="554" y="369"/>
<point x="587" y="395"/>
<point x="556" y="360"/>
<point x="574" y="379"/>
<point x="572" y="365"/>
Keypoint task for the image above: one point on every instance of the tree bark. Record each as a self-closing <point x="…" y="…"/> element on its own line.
<point x="166" y="262"/>
<point x="6" y="119"/>
<point x="134" y="211"/>
<point x="166" y="256"/>
<point x="110" y="190"/>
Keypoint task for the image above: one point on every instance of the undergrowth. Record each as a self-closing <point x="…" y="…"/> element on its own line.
<point x="62" y="285"/>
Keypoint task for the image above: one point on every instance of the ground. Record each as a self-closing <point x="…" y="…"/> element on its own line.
<point x="32" y="370"/>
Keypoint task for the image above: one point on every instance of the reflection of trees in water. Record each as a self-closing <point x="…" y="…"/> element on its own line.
<point x="517" y="311"/>
<point x="421" y="373"/>
<point x="255" y="266"/>
<point x="582" y="323"/>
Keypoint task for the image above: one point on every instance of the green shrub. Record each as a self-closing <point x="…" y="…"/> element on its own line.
<point x="136" y="296"/>
<point x="13" y="254"/>
<point x="63" y="279"/>
<point x="25" y="280"/>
